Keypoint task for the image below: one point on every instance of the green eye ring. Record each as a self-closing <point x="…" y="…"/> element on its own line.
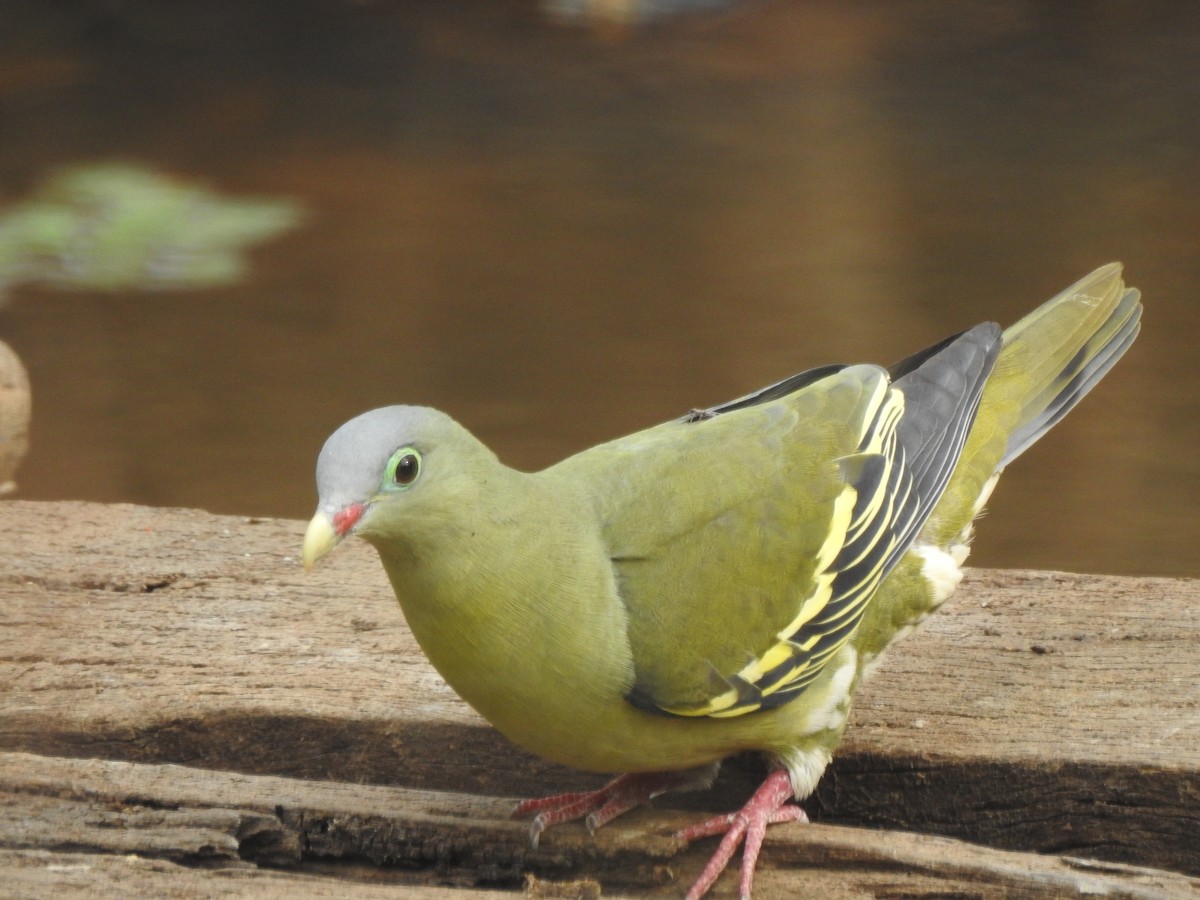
<point x="402" y="469"/>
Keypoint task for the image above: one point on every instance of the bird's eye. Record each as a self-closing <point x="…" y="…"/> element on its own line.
<point x="404" y="467"/>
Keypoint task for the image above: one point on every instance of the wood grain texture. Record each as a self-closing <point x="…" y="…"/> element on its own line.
<point x="1040" y="712"/>
<point x="199" y="819"/>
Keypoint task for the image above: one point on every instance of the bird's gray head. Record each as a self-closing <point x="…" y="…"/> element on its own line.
<point x="374" y="460"/>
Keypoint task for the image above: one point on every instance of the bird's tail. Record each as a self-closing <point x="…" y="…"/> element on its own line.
<point x="1049" y="361"/>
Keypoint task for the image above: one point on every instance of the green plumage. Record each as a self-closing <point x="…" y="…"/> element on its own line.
<point x="722" y="581"/>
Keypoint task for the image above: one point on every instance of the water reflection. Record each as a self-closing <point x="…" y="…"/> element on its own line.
<point x="559" y="238"/>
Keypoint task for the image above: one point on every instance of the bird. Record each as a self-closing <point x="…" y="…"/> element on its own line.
<point x="718" y="583"/>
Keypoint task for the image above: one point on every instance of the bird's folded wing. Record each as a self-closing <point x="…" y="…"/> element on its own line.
<point x="746" y="545"/>
<point x="747" y="540"/>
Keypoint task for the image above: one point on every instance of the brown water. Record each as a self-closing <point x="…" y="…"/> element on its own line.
<point x="560" y="236"/>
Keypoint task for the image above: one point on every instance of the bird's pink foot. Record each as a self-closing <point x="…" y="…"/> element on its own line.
<point x="768" y="806"/>
<point x="620" y="795"/>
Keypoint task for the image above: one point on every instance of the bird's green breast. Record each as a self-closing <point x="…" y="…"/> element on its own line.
<point x="516" y="611"/>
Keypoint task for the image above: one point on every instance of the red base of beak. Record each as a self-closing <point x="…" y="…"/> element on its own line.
<point x="345" y="519"/>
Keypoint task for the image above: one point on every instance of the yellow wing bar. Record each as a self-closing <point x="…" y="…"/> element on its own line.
<point x="876" y="506"/>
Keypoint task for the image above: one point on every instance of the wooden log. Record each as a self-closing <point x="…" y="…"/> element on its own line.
<point x="1040" y="712"/>
<point x="200" y="819"/>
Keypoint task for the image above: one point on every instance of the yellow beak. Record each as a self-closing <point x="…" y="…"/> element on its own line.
<point x="319" y="538"/>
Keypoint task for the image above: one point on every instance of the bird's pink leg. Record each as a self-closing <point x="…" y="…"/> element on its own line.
<point x="620" y="795"/>
<point x="768" y="806"/>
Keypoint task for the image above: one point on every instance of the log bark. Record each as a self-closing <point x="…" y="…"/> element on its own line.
<point x="174" y="689"/>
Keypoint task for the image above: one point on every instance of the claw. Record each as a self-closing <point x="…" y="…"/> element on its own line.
<point x="536" y="827"/>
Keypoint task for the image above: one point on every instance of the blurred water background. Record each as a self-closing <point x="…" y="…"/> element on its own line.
<point x="562" y="230"/>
